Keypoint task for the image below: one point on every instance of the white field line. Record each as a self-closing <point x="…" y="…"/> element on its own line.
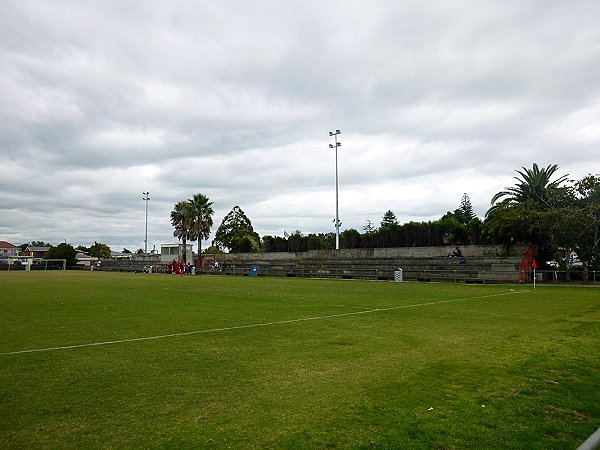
<point x="255" y="325"/>
<point x="352" y="307"/>
<point x="301" y="302"/>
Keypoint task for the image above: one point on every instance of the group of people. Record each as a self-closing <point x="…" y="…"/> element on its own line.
<point x="179" y="268"/>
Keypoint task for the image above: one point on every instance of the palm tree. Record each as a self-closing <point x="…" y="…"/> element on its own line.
<point x="181" y="220"/>
<point x="534" y="185"/>
<point x="201" y="220"/>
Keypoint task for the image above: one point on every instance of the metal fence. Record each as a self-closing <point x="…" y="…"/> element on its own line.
<point x="563" y="276"/>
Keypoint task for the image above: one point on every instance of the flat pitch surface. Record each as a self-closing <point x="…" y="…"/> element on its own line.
<point x="101" y="360"/>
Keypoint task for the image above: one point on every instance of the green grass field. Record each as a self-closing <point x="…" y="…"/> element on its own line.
<point x="103" y="360"/>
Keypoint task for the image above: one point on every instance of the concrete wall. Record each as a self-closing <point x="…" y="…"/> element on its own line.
<point x="469" y="251"/>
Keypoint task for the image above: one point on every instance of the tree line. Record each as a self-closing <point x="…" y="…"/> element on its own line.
<point x="560" y="217"/>
<point x="461" y="226"/>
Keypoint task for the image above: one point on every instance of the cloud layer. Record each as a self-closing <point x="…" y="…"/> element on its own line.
<point x="102" y="101"/>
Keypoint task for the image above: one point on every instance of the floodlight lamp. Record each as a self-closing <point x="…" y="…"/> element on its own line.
<point x="330" y="133"/>
<point x="331" y="146"/>
<point x="337" y="131"/>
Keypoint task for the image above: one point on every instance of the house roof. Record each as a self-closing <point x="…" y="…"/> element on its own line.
<point x="4" y="244"/>
<point x="38" y="249"/>
<point x="82" y="256"/>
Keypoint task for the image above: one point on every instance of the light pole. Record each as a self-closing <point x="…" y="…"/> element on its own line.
<point x="146" y="198"/>
<point x="337" y="212"/>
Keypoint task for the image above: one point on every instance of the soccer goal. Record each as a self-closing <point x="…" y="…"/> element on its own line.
<point x="64" y="263"/>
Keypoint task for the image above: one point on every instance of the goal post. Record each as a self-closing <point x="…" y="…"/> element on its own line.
<point x="64" y="263"/>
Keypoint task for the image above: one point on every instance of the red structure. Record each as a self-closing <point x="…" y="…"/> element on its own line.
<point x="526" y="262"/>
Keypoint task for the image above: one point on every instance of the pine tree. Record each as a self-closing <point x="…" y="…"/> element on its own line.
<point x="389" y="218"/>
<point x="466" y="209"/>
<point x="368" y="228"/>
<point x="236" y="233"/>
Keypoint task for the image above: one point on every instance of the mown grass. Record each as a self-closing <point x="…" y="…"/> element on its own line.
<point x="482" y="367"/>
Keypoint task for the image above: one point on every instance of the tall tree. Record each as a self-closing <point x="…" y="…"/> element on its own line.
<point x="63" y="251"/>
<point x="533" y="185"/>
<point x="389" y="218"/>
<point x="466" y="209"/>
<point x="588" y="192"/>
<point x="575" y="223"/>
<point x="181" y="220"/>
<point x="201" y="221"/>
<point x="517" y="212"/>
<point x="236" y="233"/>
<point x="101" y="250"/>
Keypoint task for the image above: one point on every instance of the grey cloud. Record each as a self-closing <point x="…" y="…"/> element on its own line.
<point x="104" y="100"/>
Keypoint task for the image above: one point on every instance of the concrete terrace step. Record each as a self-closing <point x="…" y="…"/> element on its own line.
<point x="429" y="269"/>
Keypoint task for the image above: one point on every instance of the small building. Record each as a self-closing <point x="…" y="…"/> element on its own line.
<point x="170" y="252"/>
<point x="7" y="249"/>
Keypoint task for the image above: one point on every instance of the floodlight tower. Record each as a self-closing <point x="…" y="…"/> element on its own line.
<point x="337" y="212"/>
<point x="146" y="198"/>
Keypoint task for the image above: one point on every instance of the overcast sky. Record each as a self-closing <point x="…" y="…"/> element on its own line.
<point x="103" y="100"/>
